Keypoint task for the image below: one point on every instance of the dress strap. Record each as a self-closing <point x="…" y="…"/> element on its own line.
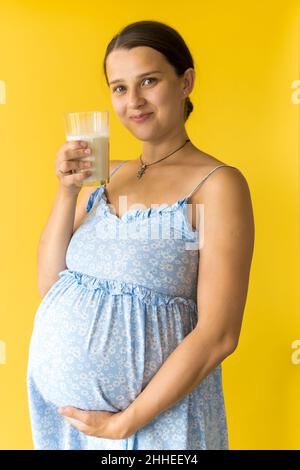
<point x="97" y="194"/>
<point x="205" y="177"/>
<point x="118" y="166"/>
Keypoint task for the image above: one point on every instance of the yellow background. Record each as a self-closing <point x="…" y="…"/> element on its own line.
<point x="246" y="59"/>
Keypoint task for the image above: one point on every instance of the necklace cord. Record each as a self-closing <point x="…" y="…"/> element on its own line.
<point x="143" y="166"/>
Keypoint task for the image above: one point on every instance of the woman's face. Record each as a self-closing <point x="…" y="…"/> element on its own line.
<point x="159" y="93"/>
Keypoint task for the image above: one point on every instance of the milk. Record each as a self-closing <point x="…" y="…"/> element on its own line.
<point x="99" y="145"/>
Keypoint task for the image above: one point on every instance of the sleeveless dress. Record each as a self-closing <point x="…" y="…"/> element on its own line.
<point x="125" y="301"/>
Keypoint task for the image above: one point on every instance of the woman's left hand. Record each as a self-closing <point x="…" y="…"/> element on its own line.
<point x="96" y="423"/>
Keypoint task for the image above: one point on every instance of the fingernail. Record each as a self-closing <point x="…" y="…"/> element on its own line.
<point x="83" y="144"/>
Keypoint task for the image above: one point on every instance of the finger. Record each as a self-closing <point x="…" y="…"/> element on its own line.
<point x="84" y="164"/>
<point x="71" y="146"/>
<point x="75" y="154"/>
<point x="75" y="413"/>
<point x="80" y="426"/>
<point x="67" y="166"/>
<point x="77" y="177"/>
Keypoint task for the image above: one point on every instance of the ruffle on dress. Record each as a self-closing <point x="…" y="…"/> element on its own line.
<point x="116" y="287"/>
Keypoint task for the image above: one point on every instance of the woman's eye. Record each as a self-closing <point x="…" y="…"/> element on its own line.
<point x="120" y="86"/>
<point x="150" y="79"/>
<point x="115" y="89"/>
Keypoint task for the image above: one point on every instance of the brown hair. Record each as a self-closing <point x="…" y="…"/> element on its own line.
<point x="161" y="37"/>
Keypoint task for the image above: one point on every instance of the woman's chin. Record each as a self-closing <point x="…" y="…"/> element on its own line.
<point x="144" y="134"/>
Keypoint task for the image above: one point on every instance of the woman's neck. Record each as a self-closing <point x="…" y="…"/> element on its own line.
<point x="154" y="151"/>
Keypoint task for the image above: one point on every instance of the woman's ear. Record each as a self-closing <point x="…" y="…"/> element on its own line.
<point x="188" y="81"/>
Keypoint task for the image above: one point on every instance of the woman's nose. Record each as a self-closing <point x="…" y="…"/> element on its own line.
<point x="135" y="97"/>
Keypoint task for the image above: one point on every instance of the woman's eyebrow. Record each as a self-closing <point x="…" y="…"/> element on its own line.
<point x="138" y="76"/>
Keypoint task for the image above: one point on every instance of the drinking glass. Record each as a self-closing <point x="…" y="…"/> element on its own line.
<point x="92" y="127"/>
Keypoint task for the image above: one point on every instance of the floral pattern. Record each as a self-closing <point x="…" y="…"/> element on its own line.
<point x="105" y="327"/>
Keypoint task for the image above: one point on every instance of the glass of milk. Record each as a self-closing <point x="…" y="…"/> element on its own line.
<point x="92" y="127"/>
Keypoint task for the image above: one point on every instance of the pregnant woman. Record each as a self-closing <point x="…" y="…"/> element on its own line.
<point x="144" y="279"/>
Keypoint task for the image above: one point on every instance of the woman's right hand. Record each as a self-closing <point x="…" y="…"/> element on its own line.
<point x="69" y="157"/>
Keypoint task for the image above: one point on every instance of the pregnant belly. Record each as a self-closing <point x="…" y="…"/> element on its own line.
<point x="89" y="353"/>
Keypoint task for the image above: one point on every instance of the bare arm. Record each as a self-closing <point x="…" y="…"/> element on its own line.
<point x="54" y="240"/>
<point x="224" y="269"/>
<point x="64" y="219"/>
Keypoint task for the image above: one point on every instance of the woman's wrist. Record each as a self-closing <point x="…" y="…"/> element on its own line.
<point x="68" y="192"/>
<point x="128" y="423"/>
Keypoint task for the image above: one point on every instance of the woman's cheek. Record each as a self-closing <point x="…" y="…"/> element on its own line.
<point x="117" y="107"/>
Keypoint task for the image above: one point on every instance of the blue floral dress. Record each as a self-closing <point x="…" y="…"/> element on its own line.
<point x="125" y="301"/>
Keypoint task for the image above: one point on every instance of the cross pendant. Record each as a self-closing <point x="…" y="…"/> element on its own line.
<point x="141" y="171"/>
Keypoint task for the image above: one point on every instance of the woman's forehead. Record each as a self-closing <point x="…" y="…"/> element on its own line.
<point x="139" y="59"/>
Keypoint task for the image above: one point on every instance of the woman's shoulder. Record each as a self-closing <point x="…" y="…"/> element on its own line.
<point x="113" y="164"/>
<point x="198" y="159"/>
<point x="214" y="175"/>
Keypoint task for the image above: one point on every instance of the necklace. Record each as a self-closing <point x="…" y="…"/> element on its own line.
<point x="144" y="166"/>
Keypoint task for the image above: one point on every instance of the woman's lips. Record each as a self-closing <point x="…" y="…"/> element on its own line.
<point x="142" y="118"/>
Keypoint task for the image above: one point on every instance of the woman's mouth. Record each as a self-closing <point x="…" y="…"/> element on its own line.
<point x="142" y="118"/>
